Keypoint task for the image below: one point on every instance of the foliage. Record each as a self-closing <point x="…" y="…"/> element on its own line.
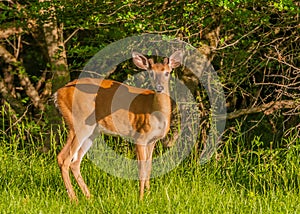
<point x="254" y="44"/>
<point x="254" y="47"/>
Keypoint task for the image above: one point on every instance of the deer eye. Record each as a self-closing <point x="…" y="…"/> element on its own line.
<point x="167" y="74"/>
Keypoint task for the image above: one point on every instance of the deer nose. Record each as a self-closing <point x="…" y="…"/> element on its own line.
<point x="159" y="88"/>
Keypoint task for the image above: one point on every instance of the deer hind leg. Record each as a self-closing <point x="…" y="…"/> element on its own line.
<point x="70" y="154"/>
<point x="75" y="166"/>
<point x="64" y="160"/>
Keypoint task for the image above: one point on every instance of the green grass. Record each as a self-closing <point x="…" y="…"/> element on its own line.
<point x="32" y="184"/>
<point x="239" y="179"/>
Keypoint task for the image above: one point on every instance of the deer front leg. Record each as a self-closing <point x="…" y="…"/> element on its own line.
<point x="141" y="151"/>
<point x="150" y="148"/>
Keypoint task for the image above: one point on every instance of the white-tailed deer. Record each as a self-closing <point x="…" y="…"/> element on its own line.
<point x="89" y="107"/>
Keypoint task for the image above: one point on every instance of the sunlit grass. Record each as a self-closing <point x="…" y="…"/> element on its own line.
<point x="33" y="185"/>
<point x="236" y="180"/>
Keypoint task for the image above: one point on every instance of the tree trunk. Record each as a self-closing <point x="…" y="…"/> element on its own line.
<point x="53" y="34"/>
<point x="56" y="50"/>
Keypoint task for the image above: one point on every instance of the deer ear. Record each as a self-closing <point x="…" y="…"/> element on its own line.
<point x="140" y="60"/>
<point x="151" y="61"/>
<point x="176" y="59"/>
<point x="166" y="61"/>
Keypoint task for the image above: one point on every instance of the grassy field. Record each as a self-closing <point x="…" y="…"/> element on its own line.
<point x="32" y="184"/>
<point x="236" y="180"/>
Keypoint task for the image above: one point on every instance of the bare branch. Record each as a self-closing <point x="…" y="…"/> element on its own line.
<point x="5" y="33"/>
<point x="283" y="62"/>
<point x="267" y="108"/>
<point x="8" y="57"/>
<point x="31" y="92"/>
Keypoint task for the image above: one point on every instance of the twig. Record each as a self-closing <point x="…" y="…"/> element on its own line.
<point x="278" y="60"/>
<point x="19" y="119"/>
<point x="19" y="46"/>
<point x="237" y="41"/>
<point x="72" y="34"/>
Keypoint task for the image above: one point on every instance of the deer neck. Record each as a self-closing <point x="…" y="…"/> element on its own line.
<point x="162" y="104"/>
